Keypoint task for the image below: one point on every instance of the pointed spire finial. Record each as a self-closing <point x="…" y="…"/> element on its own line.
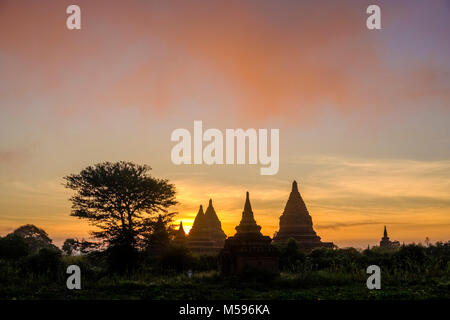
<point x="294" y="186"/>
<point x="210" y="202"/>
<point x="247" y="206"/>
<point x="248" y="223"/>
<point x="385" y="232"/>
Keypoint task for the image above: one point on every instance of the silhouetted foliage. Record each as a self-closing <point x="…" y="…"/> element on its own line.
<point x="70" y="246"/>
<point x="176" y="258"/>
<point x="73" y="246"/>
<point x="13" y="247"/>
<point x="324" y="274"/>
<point x="410" y="257"/>
<point x="205" y="263"/>
<point x="157" y="236"/>
<point x="35" y="237"/>
<point x="291" y="256"/>
<point x="118" y="198"/>
<point x="122" y="258"/>
<point x="46" y="262"/>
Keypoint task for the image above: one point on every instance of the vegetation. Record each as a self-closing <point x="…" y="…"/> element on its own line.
<point x="119" y="199"/>
<point x="137" y="257"/>
<point x="410" y="272"/>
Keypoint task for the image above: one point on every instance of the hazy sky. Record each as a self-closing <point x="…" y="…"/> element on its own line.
<point x="364" y="116"/>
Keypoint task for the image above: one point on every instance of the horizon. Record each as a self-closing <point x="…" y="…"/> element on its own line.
<point x="187" y="224"/>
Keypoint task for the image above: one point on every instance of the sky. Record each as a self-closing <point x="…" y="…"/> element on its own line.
<point x="364" y="115"/>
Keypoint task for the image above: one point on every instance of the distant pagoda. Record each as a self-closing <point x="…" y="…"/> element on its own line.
<point x="214" y="226"/>
<point x="386" y="243"/>
<point x="180" y="235"/>
<point x="296" y="223"/>
<point x="248" y="248"/>
<point x="206" y="234"/>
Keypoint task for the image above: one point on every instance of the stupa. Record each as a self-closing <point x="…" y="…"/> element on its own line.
<point x="387" y="243"/>
<point x="206" y="235"/>
<point x="180" y="235"/>
<point x="248" y="249"/>
<point x="214" y="226"/>
<point x="296" y="223"/>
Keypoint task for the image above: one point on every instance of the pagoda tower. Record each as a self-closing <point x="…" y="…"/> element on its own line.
<point x="296" y="223"/>
<point x="248" y="248"/>
<point x="199" y="239"/>
<point x="214" y="226"/>
<point x="386" y="242"/>
<point x="180" y="235"/>
<point x="198" y="228"/>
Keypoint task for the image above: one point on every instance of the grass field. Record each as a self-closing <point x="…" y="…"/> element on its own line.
<point x="317" y="285"/>
<point x="407" y="273"/>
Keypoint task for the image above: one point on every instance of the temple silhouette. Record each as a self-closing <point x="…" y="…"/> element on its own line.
<point x="386" y="243"/>
<point x="206" y="234"/>
<point x="180" y="236"/>
<point x="296" y="223"/>
<point x="248" y="249"/>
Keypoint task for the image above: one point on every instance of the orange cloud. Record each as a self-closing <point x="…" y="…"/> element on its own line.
<point x="270" y="60"/>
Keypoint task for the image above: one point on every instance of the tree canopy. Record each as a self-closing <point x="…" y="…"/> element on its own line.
<point x="119" y="199"/>
<point x="74" y="246"/>
<point x="36" y="238"/>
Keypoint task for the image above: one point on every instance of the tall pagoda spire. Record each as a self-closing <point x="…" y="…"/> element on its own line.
<point x="211" y="216"/>
<point x="206" y="233"/>
<point x="296" y="223"/>
<point x="248" y="206"/>
<point x="248" y="223"/>
<point x="198" y="227"/>
<point x="199" y="217"/>
<point x="248" y="248"/>
<point x="294" y="186"/>
<point x="213" y="224"/>
<point x="386" y="242"/>
<point x="295" y="204"/>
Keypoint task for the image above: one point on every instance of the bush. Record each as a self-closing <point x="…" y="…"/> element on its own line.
<point x="46" y="262"/>
<point x="13" y="247"/>
<point x="291" y="257"/>
<point x="121" y="258"/>
<point x="176" y="258"/>
<point x="205" y="262"/>
<point x="410" y="258"/>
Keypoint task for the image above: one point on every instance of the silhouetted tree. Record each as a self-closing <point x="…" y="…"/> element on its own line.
<point x="13" y="247"/>
<point x="118" y="198"/>
<point x="72" y="246"/>
<point x="176" y="258"/>
<point x="158" y="234"/>
<point x="291" y="255"/>
<point x="35" y="237"/>
<point x="46" y="262"/>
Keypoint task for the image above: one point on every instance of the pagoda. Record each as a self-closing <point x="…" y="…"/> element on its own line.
<point x="206" y="235"/>
<point x="214" y="226"/>
<point x="180" y="235"/>
<point x="296" y="223"/>
<point x="387" y="243"/>
<point x="248" y="249"/>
